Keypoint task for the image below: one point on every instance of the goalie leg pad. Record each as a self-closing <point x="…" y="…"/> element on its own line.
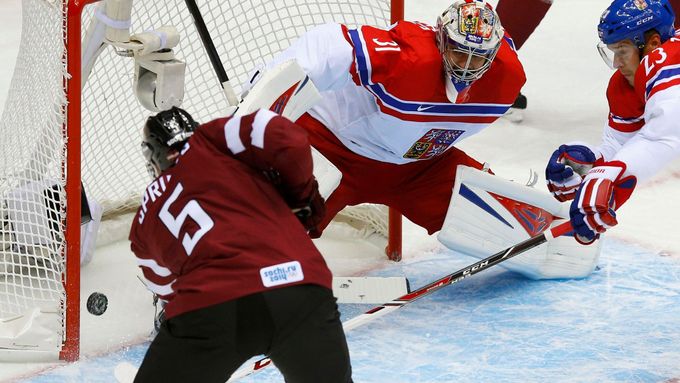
<point x="488" y="214"/>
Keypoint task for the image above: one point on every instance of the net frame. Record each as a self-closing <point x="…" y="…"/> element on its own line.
<point x="73" y="14"/>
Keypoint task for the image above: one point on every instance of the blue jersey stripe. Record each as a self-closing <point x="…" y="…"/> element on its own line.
<point x="361" y="61"/>
<point x="663" y="74"/>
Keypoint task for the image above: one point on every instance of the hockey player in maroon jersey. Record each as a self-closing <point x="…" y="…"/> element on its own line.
<point x="217" y="240"/>
<point x="642" y="133"/>
<point x="395" y="103"/>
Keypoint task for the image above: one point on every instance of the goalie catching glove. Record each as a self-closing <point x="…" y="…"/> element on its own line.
<point x="604" y="189"/>
<point x="566" y="168"/>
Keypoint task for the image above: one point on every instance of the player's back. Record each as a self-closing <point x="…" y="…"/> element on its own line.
<point x="216" y="225"/>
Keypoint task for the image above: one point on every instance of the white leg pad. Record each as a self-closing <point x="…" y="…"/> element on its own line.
<point x="488" y="214"/>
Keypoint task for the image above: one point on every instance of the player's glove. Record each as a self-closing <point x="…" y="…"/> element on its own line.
<point x="604" y="189"/>
<point x="566" y="168"/>
<point x="311" y="212"/>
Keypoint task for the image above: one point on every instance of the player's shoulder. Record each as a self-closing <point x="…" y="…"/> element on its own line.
<point x="406" y="48"/>
<point x="401" y="30"/>
<point x="665" y="56"/>
<point x="404" y="40"/>
<point x="507" y="56"/>
<point x="659" y="69"/>
<point x="672" y="46"/>
<point x="412" y="29"/>
<point x="504" y="79"/>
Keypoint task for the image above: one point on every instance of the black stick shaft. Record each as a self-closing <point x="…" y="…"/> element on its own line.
<point x="207" y="41"/>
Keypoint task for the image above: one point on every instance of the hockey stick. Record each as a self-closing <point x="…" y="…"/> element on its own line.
<point x="428" y="289"/>
<point x="212" y="52"/>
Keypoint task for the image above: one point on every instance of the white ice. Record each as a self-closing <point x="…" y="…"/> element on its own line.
<point x="619" y="325"/>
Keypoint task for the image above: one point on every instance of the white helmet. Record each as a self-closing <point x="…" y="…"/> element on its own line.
<point x="470" y="32"/>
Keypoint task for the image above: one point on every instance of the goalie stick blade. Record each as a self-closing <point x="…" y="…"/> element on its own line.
<point x="371" y="290"/>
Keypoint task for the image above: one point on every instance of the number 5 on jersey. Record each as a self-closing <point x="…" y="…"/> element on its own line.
<point x="191" y="209"/>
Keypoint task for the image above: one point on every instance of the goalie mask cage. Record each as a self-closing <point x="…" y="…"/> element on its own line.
<point x="63" y="127"/>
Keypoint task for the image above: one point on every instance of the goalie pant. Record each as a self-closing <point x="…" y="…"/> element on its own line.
<point x="420" y="190"/>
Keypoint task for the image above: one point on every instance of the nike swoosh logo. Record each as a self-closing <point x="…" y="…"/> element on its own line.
<point x="421" y="107"/>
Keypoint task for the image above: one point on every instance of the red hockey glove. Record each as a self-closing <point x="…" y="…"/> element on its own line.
<point x="604" y="189"/>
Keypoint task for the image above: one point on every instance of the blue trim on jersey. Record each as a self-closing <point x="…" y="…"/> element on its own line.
<point x="412" y="107"/>
<point x="626" y="120"/>
<point x="510" y="41"/>
<point x="469" y="195"/>
<point x="362" y="67"/>
<point x="662" y="74"/>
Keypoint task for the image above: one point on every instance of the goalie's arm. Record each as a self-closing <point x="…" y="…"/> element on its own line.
<point x="324" y="55"/>
<point x="289" y="85"/>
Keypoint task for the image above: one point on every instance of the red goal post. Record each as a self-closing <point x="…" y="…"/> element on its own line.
<point x="83" y="129"/>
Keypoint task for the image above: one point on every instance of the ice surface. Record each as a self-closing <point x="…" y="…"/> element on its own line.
<point x="618" y="325"/>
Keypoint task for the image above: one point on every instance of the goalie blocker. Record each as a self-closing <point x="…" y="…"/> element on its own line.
<point x="488" y="213"/>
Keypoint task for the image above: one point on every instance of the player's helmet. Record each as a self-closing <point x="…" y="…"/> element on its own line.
<point x="165" y="131"/>
<point x="630" y="19"/>
<point x="469" y="28"/>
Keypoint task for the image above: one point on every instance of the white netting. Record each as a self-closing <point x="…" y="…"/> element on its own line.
<point x="32" y="202"/>
<point x="245" y="33"/>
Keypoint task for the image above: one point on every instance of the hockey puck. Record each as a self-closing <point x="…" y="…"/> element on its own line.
<point x="97" y="303"/>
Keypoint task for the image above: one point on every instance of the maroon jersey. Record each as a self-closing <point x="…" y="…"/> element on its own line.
<point x="214" y="227"/>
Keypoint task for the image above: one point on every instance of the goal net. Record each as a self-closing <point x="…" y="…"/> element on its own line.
<point x="61" y="130"/>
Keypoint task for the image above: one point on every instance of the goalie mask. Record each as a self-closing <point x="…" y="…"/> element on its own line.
<point x="469" y="35"/>
<point x="163" y="137"/>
